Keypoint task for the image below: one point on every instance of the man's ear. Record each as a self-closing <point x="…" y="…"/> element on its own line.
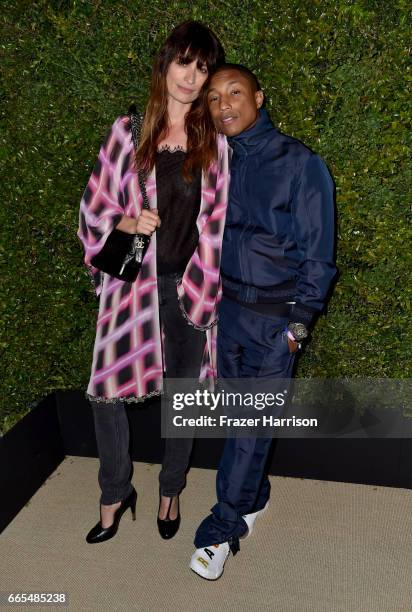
<point x="259" y="97"/>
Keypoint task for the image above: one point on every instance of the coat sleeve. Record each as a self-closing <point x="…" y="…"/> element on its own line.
<point x="102" y="207"/>
<point x="200" y="289"/>
<point x="314" y="224"/>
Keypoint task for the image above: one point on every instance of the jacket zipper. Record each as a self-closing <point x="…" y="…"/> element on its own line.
<point x="245" y="229"/>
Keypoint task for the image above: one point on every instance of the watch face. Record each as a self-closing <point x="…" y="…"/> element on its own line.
<point x="298" y="330"/>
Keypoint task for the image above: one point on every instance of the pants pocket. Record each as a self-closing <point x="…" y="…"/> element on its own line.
<point x="277" y="360"/>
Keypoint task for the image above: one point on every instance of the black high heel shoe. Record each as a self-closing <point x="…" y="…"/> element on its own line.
<point x="169" y="527"/>
<point x="101" y="534"/>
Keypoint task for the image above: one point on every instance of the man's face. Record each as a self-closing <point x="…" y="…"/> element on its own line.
<point x="232" y="102"/>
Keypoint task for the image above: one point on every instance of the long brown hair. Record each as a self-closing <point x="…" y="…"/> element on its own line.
<point x="188" y="42"/>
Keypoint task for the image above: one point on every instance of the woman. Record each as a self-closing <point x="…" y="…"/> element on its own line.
<point x="163" y="322"/>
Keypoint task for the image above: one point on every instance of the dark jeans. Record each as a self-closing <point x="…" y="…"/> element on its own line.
<point x="183" y="352"/>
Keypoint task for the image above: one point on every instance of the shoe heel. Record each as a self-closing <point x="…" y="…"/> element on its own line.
<point x="133" y="507"/>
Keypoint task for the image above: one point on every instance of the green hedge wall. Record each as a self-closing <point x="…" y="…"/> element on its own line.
<point x="335" y="75"/>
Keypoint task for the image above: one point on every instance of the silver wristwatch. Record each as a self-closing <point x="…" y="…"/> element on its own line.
<point x="298" y="331"/>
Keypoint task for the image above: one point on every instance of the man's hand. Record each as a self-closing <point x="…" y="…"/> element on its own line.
<point x="293" y="346"/>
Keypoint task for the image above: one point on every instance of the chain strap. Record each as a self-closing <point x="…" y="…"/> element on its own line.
<point x="136" y="121"/>
<point x="137" y="247"/>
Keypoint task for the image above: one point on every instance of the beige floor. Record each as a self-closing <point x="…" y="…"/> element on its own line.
<point x="322" y="546"/>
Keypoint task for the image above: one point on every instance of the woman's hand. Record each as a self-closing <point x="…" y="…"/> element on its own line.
<point x="146" y="223"/>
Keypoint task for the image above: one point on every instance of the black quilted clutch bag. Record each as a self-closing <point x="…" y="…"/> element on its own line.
<point x="122" y="255"/>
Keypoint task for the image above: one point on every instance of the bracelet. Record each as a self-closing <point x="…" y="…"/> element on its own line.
<point x="291" y="336"/>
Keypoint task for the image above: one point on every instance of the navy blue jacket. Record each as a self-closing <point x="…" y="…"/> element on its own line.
<point x="279" y="232"/>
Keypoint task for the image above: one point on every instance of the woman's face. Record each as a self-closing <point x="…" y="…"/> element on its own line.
<point x="184" y="81"/>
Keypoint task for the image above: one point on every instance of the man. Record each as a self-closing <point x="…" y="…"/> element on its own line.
<point x="277" y="266"/>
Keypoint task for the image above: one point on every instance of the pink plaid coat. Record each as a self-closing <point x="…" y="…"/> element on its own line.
<point x="128" y="356"/>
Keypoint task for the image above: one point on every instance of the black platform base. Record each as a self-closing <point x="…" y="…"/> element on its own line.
<point x="29" y="453"/>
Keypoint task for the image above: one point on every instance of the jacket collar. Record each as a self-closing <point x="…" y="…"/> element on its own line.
<point x="252" y="140"/>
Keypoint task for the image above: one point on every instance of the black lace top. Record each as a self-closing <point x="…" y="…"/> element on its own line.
<point x="178" y="203"/>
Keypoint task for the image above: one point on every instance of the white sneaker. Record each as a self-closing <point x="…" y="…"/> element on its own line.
<point x="209" y="562"/>
<point x="250" y="520"/>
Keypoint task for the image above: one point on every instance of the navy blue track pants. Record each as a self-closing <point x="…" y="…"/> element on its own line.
<point x="249" y="345"/>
